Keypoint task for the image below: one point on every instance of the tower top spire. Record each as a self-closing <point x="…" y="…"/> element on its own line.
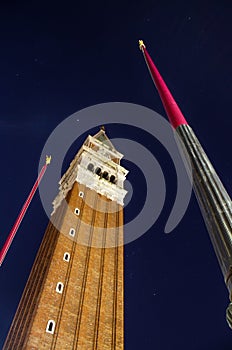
<point x="173" y="111"/>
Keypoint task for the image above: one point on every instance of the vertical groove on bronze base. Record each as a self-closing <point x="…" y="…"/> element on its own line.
<point x="213" y="199"/>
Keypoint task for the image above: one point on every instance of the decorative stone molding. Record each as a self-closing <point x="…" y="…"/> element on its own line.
<point x="97" y="166"/>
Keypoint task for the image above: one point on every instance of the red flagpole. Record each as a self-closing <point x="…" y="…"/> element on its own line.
<point x="173" y="111"/>
<point x="23" y="211"/>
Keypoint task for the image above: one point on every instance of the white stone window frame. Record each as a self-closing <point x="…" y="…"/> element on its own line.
<point x="77" y="211"/>
<point x="59" y="287"/>
<point x="68" y="256"/>
<point x="53" y="326"/>
<point x="81" y="194"/>
<point x="72" y="232"/>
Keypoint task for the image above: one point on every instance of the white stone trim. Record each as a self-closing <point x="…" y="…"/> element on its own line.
<point x="59" y="287"/>
<point x="77" y="211"/>
<point x="101" y="157"/>
<point x="68" y="257"/>
<point x="53" y="323"/>
<point x="100" y="185"/>
<point x="72" y="232"/>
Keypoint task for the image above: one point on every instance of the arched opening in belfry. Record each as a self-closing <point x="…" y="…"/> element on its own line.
<point x="105" y="175"/>
<point x="98" y="171"/>
<point x="90" y="167"/>
<point x="113" y="179"/>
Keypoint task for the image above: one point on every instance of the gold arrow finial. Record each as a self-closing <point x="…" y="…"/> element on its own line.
<point x="48" y="159"/>
<point x="141" y="45"/>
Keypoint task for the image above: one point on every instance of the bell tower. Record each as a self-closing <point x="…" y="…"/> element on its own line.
<point x="73" y="298"/>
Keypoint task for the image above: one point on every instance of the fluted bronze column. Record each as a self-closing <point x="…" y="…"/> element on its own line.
<point x="214" y="201"/>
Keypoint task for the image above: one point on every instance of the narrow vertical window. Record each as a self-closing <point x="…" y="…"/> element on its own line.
<point x="66" y="256"/>
<point x="59" y="287"/>
<point x="50" y="326"/>
<point x="81" y="194"/>
<point x="77" y="211"/>
<point x="72" y="232"/>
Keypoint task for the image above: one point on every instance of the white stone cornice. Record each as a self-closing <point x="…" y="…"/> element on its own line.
<point x="101" y="158"/>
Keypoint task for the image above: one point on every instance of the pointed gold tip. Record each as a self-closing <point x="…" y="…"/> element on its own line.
<point x="48" y="159"/>
<point x="141" y="45"/>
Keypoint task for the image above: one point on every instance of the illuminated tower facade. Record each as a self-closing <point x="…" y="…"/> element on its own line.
<point x="74" y="295"/>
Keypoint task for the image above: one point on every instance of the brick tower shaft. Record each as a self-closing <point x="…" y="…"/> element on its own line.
<point x="74" y="295"/>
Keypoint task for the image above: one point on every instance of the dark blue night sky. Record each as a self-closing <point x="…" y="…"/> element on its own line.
<point x="59" y="58"/>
